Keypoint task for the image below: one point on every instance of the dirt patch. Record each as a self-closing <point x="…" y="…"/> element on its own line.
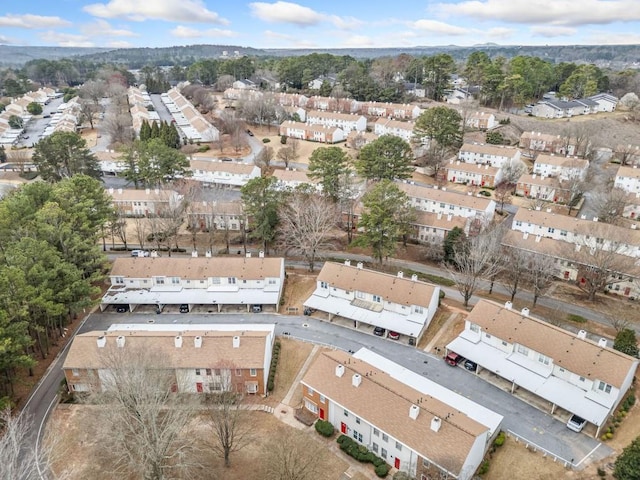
<point x="299" y="286"/>
<point x="513" y="460"/>
<point x="293" y="354"/>
<point x="442" y="329"/>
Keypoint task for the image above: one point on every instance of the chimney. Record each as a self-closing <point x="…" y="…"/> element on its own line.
<point x="194" y="253"/>
<point x="440" y="216"/>
<point x="602" y="342"/>
<point x="356" y="380"/>
<point x="436" y="423"/>
<point x="111" y="190"/>
<point x="120" y="191"/>
<point x="548" y="210"/>
<point x="538" y="238"/>
<point x="236" y="341"/>
<point x="582" y="334"/>
<point x="208" y="254"/>
<point x="583" y="217"/>
<point x="154" y="254"/>
<point x="525" y="235"/>
<point x="414" y="411"/>
<point x="339" y="370"/>
<point x="538" y="208"/>
<point x="248" y="255"/>
<point x="102" y="341"/>
<point x="414" y="277"/>
<point x="359" y="265"/>
<point x="178" y="341"/>
<point x="595" y="219"/>
<point x="197" y="342"/>
<point x="508" y="305"/>
<point x="261" y="254"/>
<point x="400" y="274"/>
<point x="525" y="312"/>
<point x="449" y="217"/>
<point x="147" y="191"/>
<point x="347" y="263"/>
<point x="157" y="191"/>
<point x="120" y="341"/>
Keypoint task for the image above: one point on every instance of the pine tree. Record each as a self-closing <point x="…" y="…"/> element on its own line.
<point x="155" y="131"/>
<point x="145" y="131"/>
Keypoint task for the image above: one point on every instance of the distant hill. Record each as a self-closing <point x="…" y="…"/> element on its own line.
<point x="614" y="56"/>
<point x="15" y="56"/>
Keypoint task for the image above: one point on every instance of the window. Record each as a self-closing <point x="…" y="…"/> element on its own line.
<point x="324" y="285"/>
<point x="551" y="230"/>
<point x="253" y="372"/>
<point x="486" y="335"/>
<point x="376" y="298"/>
<point x="310" y="390"/>
<point x="357" y="420"/>
<point x="216" y="372"/>
<point x="581" y="379"/>
<point x="238" y="372"/>
<point x="208" y="371"/>
<point x="75" y="372"/>
<point x="359" y="294"/>
<point x="197" y="371"/>
<point x="398" y="446"/>
<point x="374" y="447"/>
<point x="521" y="349"/>
<point x="418" y="309"/>
<point x="357" y="436"/>
<point x="385" y="437"/>
<point x="604" y="387"/>
<point x="346" y="414"/>
<point x="543" y="359"/>
<point x="175" y="280"/>
<point x="214" y="281"/>
<point x="118" y="280"/>
<point x="323" y="399"/>
<point x="160" y="280"/>
<point x="376" y="432"/>
<point x="272" y="281"/>
<point x="563" y="233"/>
<point x="518" y="223"/>
<point x="231" y="280"/>
<point x="383" y="453"/>
<point x="474" y="327"/>
<point x="504" y="343"/>
<point x="310" y="406"/>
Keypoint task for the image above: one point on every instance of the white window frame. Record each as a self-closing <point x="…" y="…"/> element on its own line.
<point x="253" y="372"/>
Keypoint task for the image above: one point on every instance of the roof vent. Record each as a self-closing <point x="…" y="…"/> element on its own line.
<point x="102" y="341"/>
<point x="339" y="370"/>
<point x="525" y="311"/>
<point x="414" y="411"/>
<point x="634" y="226"/>
<point x="178" y="341"/>
<point x="208" y="254"/>
<point x="595" y="219"/>
<point x="356" y="380"/>
<point x="197" y="341"/>
<point x="602" y="342"/>
<point x="508" y="305"/>
<point x="582" y="334"/>
<point x="120" y="341"/>
<point x="436" y="422"/>
<point x="236" y="341"/>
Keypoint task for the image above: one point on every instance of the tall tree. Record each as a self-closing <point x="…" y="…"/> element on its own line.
<point x="290" y="455"/>
<point x="437" y="73"/>
<point x="388" y="157"/>
<point x="153" y="164"/>
<point x="442" y="126"/>
<point x="540" y="274"/>
<point x="386" y="211"/>
<point x="626" y="342"/>
<point x="327" y="165"/>
<point x="261" y="201"/>
<point x="62" y="155"/>
<point x="627" y="465"/>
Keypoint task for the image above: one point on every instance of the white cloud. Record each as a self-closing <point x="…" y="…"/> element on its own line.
<point x="277" y="35"/>
<point x="554" y="12"/>
<point x="120" y="44"/>
<point x="32" y="21"/>
<point x="359" y="41"/>
<point x="440" y="28"/>
<point x="287" y="12"/>
<point x="501" y="32"/>
<point x="610" y="38"/>
<point x="346" y="23"/>
<point x="187" y="32"/>
<point x="6" y="40"/>
<point x="551" y="31"/>
<point x="103" y="28"/>
<point x="66" y="39"/>
<point x="188" y="11"/>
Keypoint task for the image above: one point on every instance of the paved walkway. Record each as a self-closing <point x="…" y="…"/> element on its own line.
<point x="444" y="328"/>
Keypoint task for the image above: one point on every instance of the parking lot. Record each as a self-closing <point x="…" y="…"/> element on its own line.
<point x="36" y="126"/>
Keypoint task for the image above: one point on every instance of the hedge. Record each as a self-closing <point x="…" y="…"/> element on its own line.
<point x="324" y="428"/>
<point x="362" y="454"/>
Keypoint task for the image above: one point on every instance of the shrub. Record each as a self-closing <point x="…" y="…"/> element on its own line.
<point x="576" y="318"/>
<point x="266" y="140"/>
<point x="382" y="470"/>
<point x="203" y="148"/>
<point x="608" y="435"/>
<point x="601" y="472"/>
<point x="283" y="139"/>
<point x="499" y="441"/>
<point x="484" y="468"/>
<point x="324" y="428"/>
<point x="485" y="193"/>
<point x="270" y="385"/>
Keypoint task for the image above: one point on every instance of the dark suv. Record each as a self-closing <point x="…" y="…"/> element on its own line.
<point x="184" y="308"/>
<point x="379" y="331"/>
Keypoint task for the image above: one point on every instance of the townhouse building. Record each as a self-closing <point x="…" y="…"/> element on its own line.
<point x="536" y="142"/>
<point x="214" y="215"/>
<point x="482" y="121"/>
<point x="414" y="424"/>
<point x="563" y="168"/>
<point x="189" y="120"/>
<point x="433" y="228"/>
<point x="144" y="203"/>
<point x="404" y="111"/>
<point x="312" y="132"/>
<point x="441" y="200"/>
<point x="631" y="208"/>
<point x="605" y="101"/>
<point x="473" y="174"/>
<point x="570" y="371"/>
<point x="205" y="358"/>
<point x="542" y="187"/>
<point x="231" y="174"/>
<point x="392" y="302"/>
<point x="493" y="155"/>
<point x="628" y="179"/>
<point x="291" y="100"/>
<point x="344" y="121"/>
<point x="214" y="283"/>
<point x="291" y="178"/>
<point x="388" y="126"/>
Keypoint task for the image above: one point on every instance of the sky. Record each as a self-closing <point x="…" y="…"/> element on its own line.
<point x="318" y="24"/>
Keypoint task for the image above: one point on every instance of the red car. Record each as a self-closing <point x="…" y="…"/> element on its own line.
<point x="393" y="335"/>
<point x="453" y="359"/>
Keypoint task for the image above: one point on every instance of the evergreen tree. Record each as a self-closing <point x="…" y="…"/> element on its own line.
<point x="145" y="131"/>
<point x="388" y="157"/>
<point x="155" y="131"/>
<point x="327" y="165"/>
<point x="626" y="342"/>
<point x="62" y="155"/>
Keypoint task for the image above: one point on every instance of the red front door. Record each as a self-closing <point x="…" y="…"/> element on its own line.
<point x="397" y="463"/>
<point x="343" y="427"/>
<point x="199" y="387"/>
<point x="322" y="414"/>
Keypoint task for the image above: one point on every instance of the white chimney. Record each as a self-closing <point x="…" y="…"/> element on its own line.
<point x="154" y="254"/>
<point x="525" y="235"/>
<point x="120" y="341"/>
<point x="261" y="254"/>
<point x="548" y="210"/>
<point x="595" y="219"/>
<point x="208" y="254"/>
<point x="538" y="238"/>
<point x="147" y="191"/>
<point x="102" y="341"/>
<point x="582" y="334"/>
<point x="356" y="380"/>
<point x="436" y="423"/>
<point x="583" y="217"/>
<point x="449" y="217"/>
<point x="634" y="226"/>
<point x="339" y="370"/>
<point x="414" y="277"/>
<point x="439" y="216"/>
<point x="197" y="342"/>
<point x="111" y="190"/>
<point x="400" y="274"/>
<point x="120" y="191"/>
<point x="194" y="253"/>
<point x="347" y="263"/>
<point x="248" y="255"/>
<point x="157" y="191"/>
<point x="525" y="312"/>
<point x="414" y="411"/>
<point x="508" y="305"/>
<point x="602" y="342"/>
<point x="178" y="341"/>
<point x="360" y="265"/>
<point x="236" y="341"/>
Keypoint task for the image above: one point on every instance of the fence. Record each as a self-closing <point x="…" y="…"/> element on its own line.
<point x="545" y="453"/>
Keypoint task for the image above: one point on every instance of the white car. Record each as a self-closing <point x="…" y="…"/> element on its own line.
<point x="576" y="423"/>
<point x="139" y="253"/>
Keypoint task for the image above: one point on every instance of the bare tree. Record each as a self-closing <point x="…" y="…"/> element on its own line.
<point x="290" y="455"/>
<point x="512" y="170"/>
<point x="620" y="316"/>
<point x="93" y="90"/>
<point x="294" y="145"/>
<point x="306" y="220"/>
<point x="515" y="266"/>
<point x="19" y="158"/>
<point x="118" y="126"/>
<point x="502" y="194"/>
<point x="541" y="274"/>
<point x="143" y="423"/>
<point x="224" y="82"/>
<point x="477" y="257"/>
<point x="119" y="225"/>
<point x="286" y="155"/>
<point x="627" y="154"/>
<point x="227" y="412"/>
<point x="265" y="157"/>
<point x="87" y="110"/>
<point x="608" y="204"/>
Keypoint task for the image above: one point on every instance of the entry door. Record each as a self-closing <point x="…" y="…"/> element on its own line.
<point x="322" y="414"/>
<point x="397" y="463"/>
<point x="343" y="427"/>
<point x="199" y="387"/>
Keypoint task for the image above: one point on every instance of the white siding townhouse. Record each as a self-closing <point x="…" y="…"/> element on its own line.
<point x="494" y="155"/>
<point x="628" y="179"/>
<point x="232" y="174"/>
<point x="222" y="216"/>
<point x="563" y="168"/>
<point x="568" y="370"/>
<point x="534" y="142"/>
<point x="212" y="282"/>
<point x="432" y="228"/>
<point x="191" y="122"/>
<point x="291" y="178"/>
<point x="440" y="200"/>
<point x="606" y="102"/>
<point x="403" y="111"/>
<point x="205" y="358"/>
<point x="344" y="121"/>
<point x="312" y="132"/>
<point x="473" y="174"/>
<point x="414" y="424"/>
<point x="392" y="302"/>
<point x="144" y="203"/>
<point x="482" y="121"/>
<point x="388" y="126"/>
